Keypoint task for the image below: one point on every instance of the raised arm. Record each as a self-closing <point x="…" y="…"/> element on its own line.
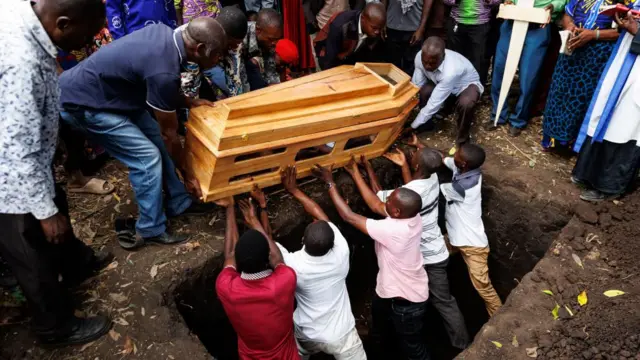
<point x="250" y="218"/>
<point x="288" y="177"/>
<point x="231" y="232"/>
<point x="356" y="220"/>
<point x="374" y="203"/>
<point x="373" y="178"/>
<point x="398" y="157"/>
<point x="258" y="196"/>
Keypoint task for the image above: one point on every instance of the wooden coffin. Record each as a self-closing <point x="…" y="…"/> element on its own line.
<point x="248" y="139"/>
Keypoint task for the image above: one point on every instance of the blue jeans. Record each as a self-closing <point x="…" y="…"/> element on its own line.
<point x="136" y="141"/>
<point x="533" y="53"/>
<point x="406" y="320"/>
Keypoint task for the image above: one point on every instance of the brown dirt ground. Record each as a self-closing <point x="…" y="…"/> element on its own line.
<point x="527" y="195"/>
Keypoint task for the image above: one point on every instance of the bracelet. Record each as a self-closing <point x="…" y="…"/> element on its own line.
<point x="597" y="34"/>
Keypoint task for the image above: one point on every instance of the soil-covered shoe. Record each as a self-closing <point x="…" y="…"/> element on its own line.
<point x="514" y="131"/>
<point x="490" y="126"/>
<point x="167" y="239"/>
<point x="79" y="331"/>
<point x="596" y="196"/>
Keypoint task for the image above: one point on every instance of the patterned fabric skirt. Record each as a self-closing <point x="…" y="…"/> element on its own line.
<point x="574" y="81"/>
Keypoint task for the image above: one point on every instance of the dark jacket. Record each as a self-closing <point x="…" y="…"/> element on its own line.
<point x="336" y="43"/>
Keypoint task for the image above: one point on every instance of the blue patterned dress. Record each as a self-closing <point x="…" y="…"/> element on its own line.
<point x="576" y="76"/>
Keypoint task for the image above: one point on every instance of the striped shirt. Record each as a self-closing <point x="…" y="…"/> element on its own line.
<point x="471" y="12"/>
<point x="432" y="244"/>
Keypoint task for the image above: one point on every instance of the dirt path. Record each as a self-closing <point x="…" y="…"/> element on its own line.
<point x="527" y="200"/>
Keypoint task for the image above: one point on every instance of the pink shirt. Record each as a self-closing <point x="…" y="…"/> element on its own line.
<point x="398" y="250"/>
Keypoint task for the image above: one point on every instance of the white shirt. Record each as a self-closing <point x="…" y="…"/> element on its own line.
<point x="324" y="311"/>
<point x="463" y="212"/>
<point x="361" y="36"/>
<point x="453" y="76"/>
<point x="29" y="112"/>
<point x="432" y="244"/>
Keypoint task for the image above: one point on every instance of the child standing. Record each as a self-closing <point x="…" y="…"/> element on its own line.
<point x="463" y="217"/>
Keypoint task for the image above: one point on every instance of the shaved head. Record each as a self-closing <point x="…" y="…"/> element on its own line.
<point x="205" y="41"/>
<point x="374" y="19"/>
<point x="268" y="29"/>
<point x="427" y="161"/>
<point x="269" y="18"/>
<point x="71" y="24"/>
<point x="403" y="203"/>
<point x="432" y="53"/>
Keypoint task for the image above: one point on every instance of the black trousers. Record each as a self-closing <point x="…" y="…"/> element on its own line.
<point x="74" y="143"/>
<point x="400" y="52"/>
<point x="465" y="108"/>
<point x="37" y="264"/>
<point x="402" y="321"/>
<point x="471" y="42"/>
<point x="440" y="297"/>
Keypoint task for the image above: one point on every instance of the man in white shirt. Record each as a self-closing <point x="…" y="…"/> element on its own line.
<point x="323" y="319"/>
<point x="420" y="176"/>
<point x="463" y="216"/>
<point x="440" y="73"/>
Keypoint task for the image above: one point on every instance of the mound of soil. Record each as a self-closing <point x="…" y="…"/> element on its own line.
<point x="596" y="252"/>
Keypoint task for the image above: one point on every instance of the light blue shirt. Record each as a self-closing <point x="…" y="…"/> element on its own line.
<point x="453" y="76"/>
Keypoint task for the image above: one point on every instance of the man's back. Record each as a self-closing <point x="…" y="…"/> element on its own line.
<point x="324" y="311"/>
<point x="261" y="312"/>
<point x="140" y="68"/>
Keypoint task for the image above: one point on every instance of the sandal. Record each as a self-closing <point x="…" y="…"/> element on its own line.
<point x="94" y="186"/>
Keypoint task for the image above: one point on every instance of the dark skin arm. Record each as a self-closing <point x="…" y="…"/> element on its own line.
<point x="418" y="35"/>
<point x="368" y="195"/>
<point x="398" y="158"/>
<point x="231" y="232"/>
<point x="356" y="220"/>
<point x="373" y="178"/>
<point x="250" y="218"/>
<point x="258" y="196"/>
<point x="288" y="177"/>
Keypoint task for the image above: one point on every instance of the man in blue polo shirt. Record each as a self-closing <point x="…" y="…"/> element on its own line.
<point x="108" y="95"/>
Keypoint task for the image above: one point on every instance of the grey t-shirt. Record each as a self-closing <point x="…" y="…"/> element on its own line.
<point x="410" y="21"/>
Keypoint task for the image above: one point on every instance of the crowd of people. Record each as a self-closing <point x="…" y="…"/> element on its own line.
<point x="124" y="87"/>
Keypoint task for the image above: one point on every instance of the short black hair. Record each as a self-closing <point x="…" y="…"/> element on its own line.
<point x="433" y="45"/>
<point x="410" y="202"/>
<point x="318" y="238"/>
<point x="233" y="21"/>
<point x="268" y="18"/>
<point x="429" y="159"/>
<point x="473" y="154"/>
<point x="78" y="9"/>
<point x="252" y="252"/>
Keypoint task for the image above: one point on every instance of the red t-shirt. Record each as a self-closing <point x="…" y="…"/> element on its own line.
<point x="261" y="312"/>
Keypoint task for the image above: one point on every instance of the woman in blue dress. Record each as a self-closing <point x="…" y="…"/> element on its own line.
<point x="576" y="76"/>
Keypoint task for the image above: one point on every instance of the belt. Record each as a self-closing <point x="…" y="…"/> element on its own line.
<point x="402" y="301"/>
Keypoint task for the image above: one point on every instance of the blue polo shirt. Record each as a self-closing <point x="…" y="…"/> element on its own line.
<point x="139" y="70"/>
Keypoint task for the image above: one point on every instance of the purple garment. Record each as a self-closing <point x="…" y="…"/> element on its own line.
<point x="192" y="9"/>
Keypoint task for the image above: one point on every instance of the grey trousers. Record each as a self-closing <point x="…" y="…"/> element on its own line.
<point x="441" y="298"/>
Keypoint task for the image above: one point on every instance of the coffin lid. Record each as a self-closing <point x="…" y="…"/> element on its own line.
<point x="331" y="99"/>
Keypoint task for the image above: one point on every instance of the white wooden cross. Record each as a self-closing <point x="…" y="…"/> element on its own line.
<point x="521" y="14"/>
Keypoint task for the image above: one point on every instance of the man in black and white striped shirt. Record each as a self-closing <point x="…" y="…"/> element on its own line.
<point x="420" y="176"/>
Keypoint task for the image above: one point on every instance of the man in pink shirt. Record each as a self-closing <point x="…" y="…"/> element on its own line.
<point x="402" y="285"/>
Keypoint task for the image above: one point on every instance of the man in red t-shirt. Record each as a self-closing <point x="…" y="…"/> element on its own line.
<point x="257" y="289"/>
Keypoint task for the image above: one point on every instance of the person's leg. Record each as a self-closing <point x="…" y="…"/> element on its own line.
<point x="394" y="47"/>
<point x="533" y="53"/>
<point x="178" y="199"/>
<point x="499" y="62"/>
<point x="129" y="145"/>
<point x="441" y="298"/>
<point x="477" y="36"/>
<point x="454" y="40"/>
<point x="349" y="347"/>
<point x="465" y="108"/>
<point x="408" y="321"/>
<point x="425" y="93"/>
<point x="476" y="260"/>
<point x="381" y="333"/>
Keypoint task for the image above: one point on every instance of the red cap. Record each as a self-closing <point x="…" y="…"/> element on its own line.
<point x="287" y="50"/>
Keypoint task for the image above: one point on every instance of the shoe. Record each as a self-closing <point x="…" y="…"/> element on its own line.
<point x="167" y="239"/>
<point x="596" y="196"/>
<point x="100" y="260"/>
<point x="81" y="331"/>
<point x="576" y="181"/>
<point x="514" y="131"/>
<point x="197" y="208"/>
<point x="490" y="126"/>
